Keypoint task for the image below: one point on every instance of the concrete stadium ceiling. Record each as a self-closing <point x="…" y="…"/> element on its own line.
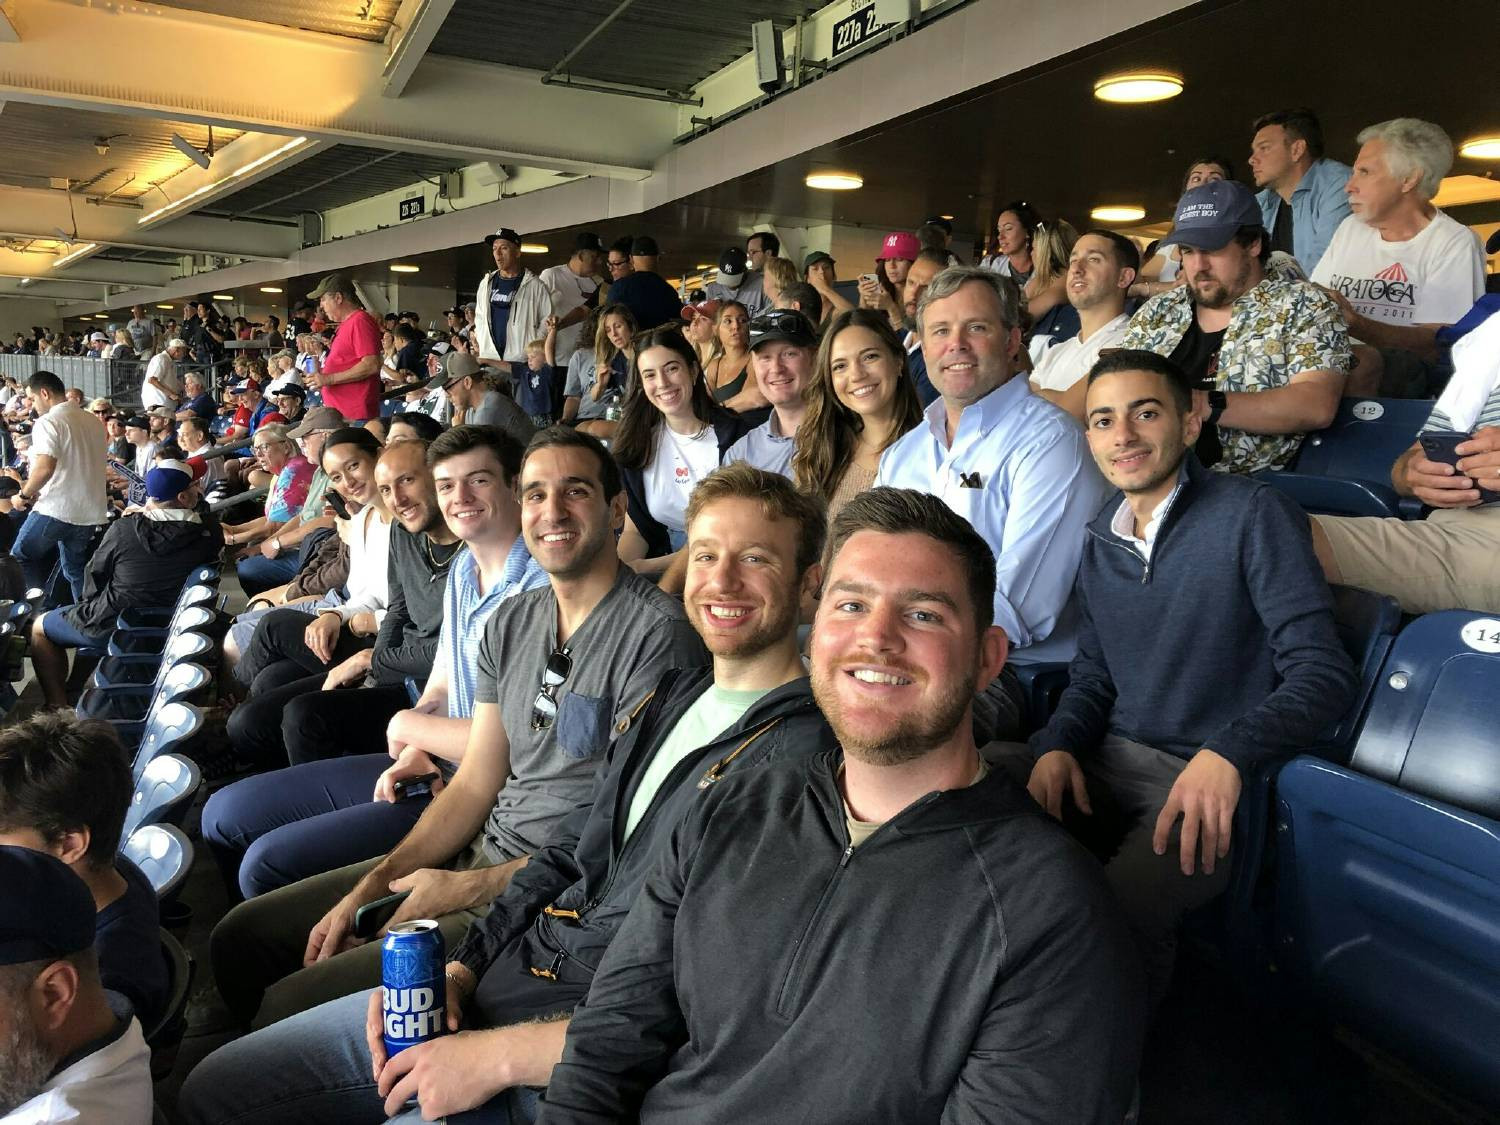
<point x="357" y="19"/>
<point x="338" y="175"/>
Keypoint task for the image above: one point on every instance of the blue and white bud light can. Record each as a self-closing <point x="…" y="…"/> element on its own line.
<point x="415" y="993"/>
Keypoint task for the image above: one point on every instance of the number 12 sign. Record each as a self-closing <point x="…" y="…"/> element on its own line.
<point x="854" y="29"/>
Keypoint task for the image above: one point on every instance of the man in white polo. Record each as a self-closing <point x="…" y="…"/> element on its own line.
<point x="161" y="387"/>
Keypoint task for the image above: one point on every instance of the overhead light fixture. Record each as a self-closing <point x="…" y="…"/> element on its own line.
<point x="946" y="218"/>
<point x="834" y="181"/>
<point x="701" y="266"/>
<point x="192" y="152"/>
<point x="64" y="236"/>
<point x="1118" y="213"/>
<point x="166" y="306"/>
<point x="405" y="267"/>
<point x="533" y="248"/>
<point x="74" y="254"/>
<point x="295" y="142"/>
<point x="223" y="296"/>
<point x="1481" y="148"/>
<point x="269" y="289"/>
<point x="25" y="281"/>
<point x="1131" y="89"/>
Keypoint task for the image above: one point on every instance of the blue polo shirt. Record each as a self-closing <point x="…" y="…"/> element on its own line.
<point x="765" y="448"/>
<point x="466" y="610"/>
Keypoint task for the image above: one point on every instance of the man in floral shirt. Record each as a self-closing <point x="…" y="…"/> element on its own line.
<point x="1269" y="356"/>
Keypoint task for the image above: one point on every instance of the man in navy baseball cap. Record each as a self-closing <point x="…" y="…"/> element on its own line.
<point x="54" y="1010"/>
<point x="1209" y="215"/>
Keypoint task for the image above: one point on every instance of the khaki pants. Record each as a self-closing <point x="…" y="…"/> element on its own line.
<point x="1450" y="560"/>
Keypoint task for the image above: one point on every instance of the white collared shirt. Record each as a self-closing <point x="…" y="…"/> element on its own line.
<point x="1020" y="472"/>
<point x="75" y="439"/>
<point x="108" y="1086"/>
<point x="1123" y="524"/>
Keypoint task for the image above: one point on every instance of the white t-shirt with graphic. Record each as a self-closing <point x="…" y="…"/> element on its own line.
<point x="676" y="467"/>
<point x="1434" y="278"/>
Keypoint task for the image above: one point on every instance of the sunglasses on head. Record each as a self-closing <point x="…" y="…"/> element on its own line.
<point x="544" y="710"/>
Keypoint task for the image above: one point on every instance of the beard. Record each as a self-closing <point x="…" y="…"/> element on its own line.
<point x="881" y="740"/>
<point x="775" y="624"/>
<point x="25" y="1063"/>
<point x="1219" y="295"/>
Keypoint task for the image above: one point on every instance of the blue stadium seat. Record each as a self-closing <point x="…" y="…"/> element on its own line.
<point x="168" y="728"/>
<point x="129" y="703"/>
<point x="1388" y="919"/>
<point x="165" y="1035"/>
<point x="413" y="690"/>
<point x="164" y="856"/>
<point x="1345" y="470"/>
<point x="160" y="617"/>
<point x="125" y="642"/>
<point x="1367" y="623"/>
<point x="164" y="793"/>
<point x="146" y="667"/>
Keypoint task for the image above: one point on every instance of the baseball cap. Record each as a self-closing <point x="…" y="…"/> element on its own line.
<point x="709" y="309"/>
<point x="1209" y="215"/>
<point x="899" y="244"/>
<point x="732" y="264"/>
<point x="939" y="221"/>
<point x="644" y="246"/>
<point x="194" y="467"/>
<point x="505" y="233"/>
<point x="164" y="483"/>
<point x="318" y="418"/>
<point x="275" y="418"/>
<point x="782" y="324"/>
<point x="100" y="336"/>
<point x="456" y="310"/>
<point x="814" y="258"/>
<point x="459" y="365"/>
<point x="176" y="342"/>
<point x="160" y="412"/>
<point x="46" y="911"/>
<point x="288" y="388"/>
<point x="138" y="421"/>
<point x="588" y="240"/>
<point x="334" y="283"/>
<point x="440" y="347"/>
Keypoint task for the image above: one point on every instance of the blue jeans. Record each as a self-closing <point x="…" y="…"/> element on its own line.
<point x="44" y="545"/>
<point x="271" y="830"/>
<point x="314" y="1067"/>
<point x="258" y="573"/>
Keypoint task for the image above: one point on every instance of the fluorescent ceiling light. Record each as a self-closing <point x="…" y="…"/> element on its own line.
<point x="701" y="266"/>
<point x="223" y="296"/>
<point x="295" y="142"/>
<point x="1481" y="148"/>
<point x="1118" y="213"/>
<point x="533" y="248"/>
<point x="269" y="289"/>
<point x="405" y="267"/>
<point x="74" y="255"/>
<point x="166" y="306"/>
<point x="190" y="151"/>
<point x="1131" y="89"/>
<point x="834" y="181"/>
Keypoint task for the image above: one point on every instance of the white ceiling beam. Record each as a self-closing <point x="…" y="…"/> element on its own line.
<point x="39" y="266"/>
<point x="412" y="31"/>
<point x="8" y="33"/>
<point x="91" y="56"/>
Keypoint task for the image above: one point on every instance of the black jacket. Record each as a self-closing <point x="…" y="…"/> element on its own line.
<point x="729" y="427"/>
<point x="587" y="869"/>
<point x="407" y="641"/>
<point x="966" y="964"/>
<point x="142" y="562"/>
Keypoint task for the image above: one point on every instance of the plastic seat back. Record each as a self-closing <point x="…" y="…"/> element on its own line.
<point x="1366" y="437"/>
<point x="165" y="1035"/>
<point x="168" y="727"/>
<point x="163" y="854"/>
<point x="1367" y="624"/>
<point x="1388" y="919"/>
<point x="1430" y="726"/>
<point x="164" y="793"/>
<point x="192" y="618"/>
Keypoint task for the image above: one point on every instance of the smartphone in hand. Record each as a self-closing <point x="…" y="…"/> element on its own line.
<point x="370" y="917"/>
<point x="1442" y="445"/>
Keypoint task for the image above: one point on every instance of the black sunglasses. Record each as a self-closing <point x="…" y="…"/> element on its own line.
<point x="781" y="320"/>
<point x="554" y="675"/>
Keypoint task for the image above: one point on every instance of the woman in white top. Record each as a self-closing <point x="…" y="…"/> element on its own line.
<point x="672" y="435"/>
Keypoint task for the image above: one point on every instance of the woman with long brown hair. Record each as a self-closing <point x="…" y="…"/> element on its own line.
<point x="672" y="434"/>
<point x="728" y="369"/>
<point x="597" y="378"/>
<point x="860" y="400"/>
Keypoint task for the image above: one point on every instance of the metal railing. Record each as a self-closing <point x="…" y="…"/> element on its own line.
<point x="118" y="380"/>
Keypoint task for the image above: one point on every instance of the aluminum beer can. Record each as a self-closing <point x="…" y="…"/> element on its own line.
<point x="414" y="991"/>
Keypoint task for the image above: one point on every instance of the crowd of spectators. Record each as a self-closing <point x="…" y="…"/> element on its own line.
<point x="585" y="519"/>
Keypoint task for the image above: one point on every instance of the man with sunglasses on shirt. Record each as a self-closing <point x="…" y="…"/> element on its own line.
<point x="754" y="542"/>
<point x="558" y="668"/>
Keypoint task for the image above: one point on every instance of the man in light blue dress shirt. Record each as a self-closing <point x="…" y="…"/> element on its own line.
<point x="1302" y="200"/>
<point x="1008" y="461"/>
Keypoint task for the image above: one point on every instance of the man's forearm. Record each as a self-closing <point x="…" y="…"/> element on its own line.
<point x="1294" y="409"/>
<point x="525" y="1053"/>
<point x="302" y="530"/>
<point x="1420" y="339"/>
<point x="449" y="823"/>
<point x="435" y="734"/>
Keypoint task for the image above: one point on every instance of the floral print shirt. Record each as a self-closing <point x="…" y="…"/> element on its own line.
<point x="1276" y="330"/>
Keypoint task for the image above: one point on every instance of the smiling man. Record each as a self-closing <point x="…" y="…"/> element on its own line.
<point x="783" y="345"/>
<point x="887" y="895"/>
<point x="1007" y="461"/>
<point x="1218" y="570"/>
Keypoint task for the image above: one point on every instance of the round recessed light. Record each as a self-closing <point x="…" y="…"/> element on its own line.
<point x="404" y="267"/>
<point x="223" y="296"/>
<point x="1118" y="213"/>
<point x="1481" y="148"/>
<point x="834" y="181"/>
<point x="269" y="289"/>
<point x="1135" y="88"/>
<point x="533" y="248"/>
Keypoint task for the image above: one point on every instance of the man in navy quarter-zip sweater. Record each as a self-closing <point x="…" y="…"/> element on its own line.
<point x="887" y="931"/>
<point x="1206" y="648"/>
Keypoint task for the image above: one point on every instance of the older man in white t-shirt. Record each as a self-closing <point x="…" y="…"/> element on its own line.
<point x="161" y="387"/>
<point x="1101" y="270"/>
<point x="65" y="489"/>
<point x="1399" y="268"/>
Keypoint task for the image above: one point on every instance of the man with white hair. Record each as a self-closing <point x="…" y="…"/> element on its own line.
<point x="161" y="387"/>
<point x="1399" y="268"/>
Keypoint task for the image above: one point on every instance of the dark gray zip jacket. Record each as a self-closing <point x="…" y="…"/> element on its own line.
<point x="537" y="949"/>
<point x="1224" y="640"/>
<point x="965" y="964"/>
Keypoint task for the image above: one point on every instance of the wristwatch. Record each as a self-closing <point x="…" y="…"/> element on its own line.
<point x="1217" y="401"/>
<point x="276" y="539"/>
